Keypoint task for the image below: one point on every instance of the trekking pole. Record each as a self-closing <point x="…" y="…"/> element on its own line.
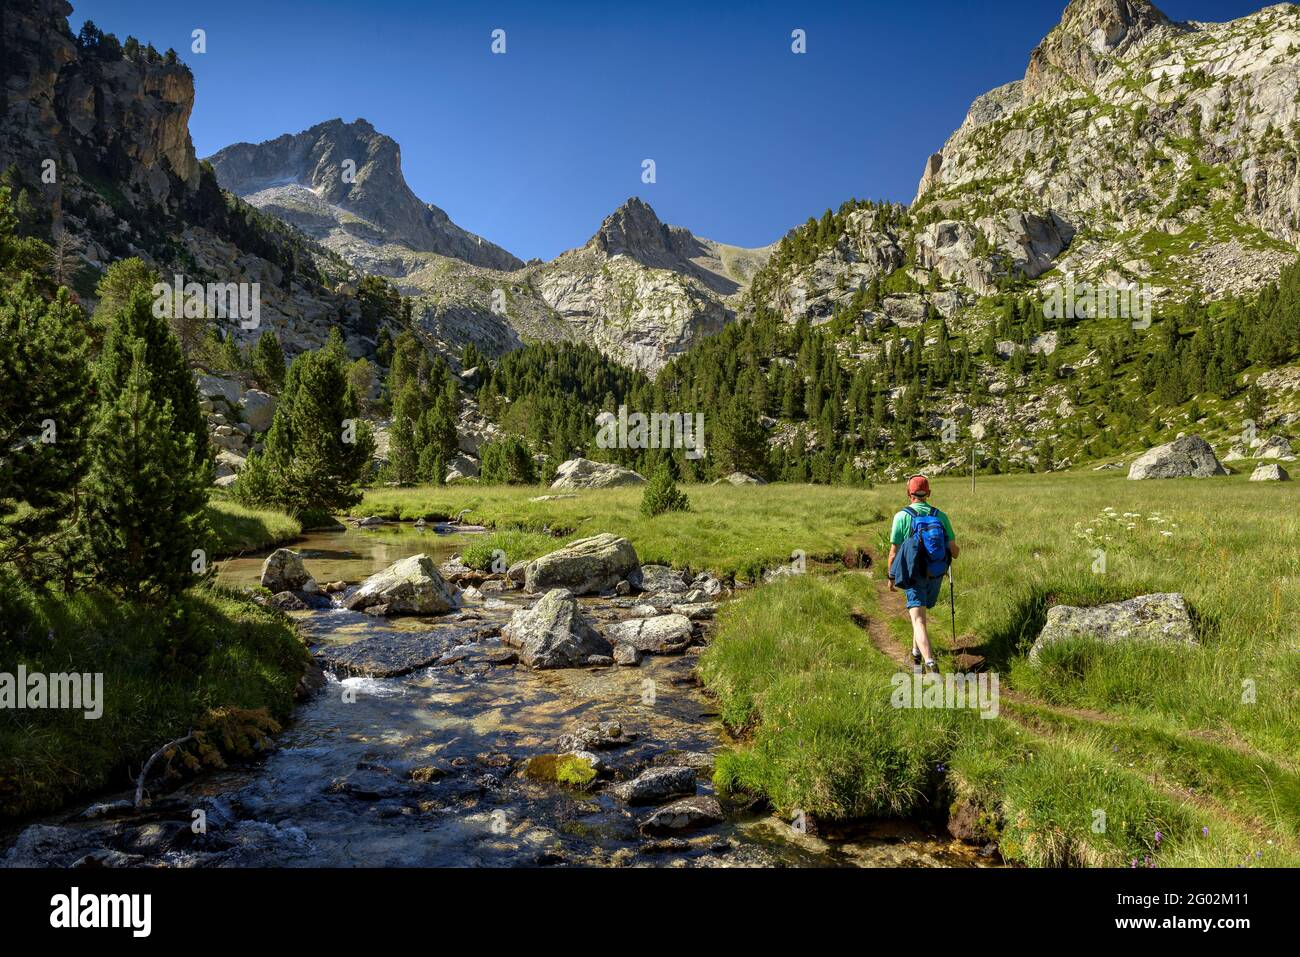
<point x="952" y="606"/>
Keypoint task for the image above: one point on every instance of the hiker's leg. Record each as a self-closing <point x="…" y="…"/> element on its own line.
<point x="920" y="637"/>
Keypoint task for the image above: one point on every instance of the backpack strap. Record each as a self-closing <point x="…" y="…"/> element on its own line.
<point x="910" y="511"/>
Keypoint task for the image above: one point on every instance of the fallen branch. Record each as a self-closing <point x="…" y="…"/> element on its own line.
<point x="144" y="772"/>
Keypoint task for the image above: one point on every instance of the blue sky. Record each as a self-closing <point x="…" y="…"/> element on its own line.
<point x="533" y="148"/>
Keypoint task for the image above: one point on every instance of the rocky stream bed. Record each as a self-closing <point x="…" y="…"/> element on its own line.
<point x="431" y="741"/>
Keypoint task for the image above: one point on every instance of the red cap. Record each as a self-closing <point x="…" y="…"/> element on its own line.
<point x="918" y="485"/>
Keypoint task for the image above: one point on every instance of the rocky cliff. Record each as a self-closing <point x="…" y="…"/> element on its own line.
<point x="1144" y="150"/>
<point x="342" y="183"/>
<point x="1133" y="150"/>
<point x="98" y="131"/>
<point x="94" y="111"/>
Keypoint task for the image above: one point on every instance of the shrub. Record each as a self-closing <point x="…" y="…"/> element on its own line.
<point x="662" y="494"/>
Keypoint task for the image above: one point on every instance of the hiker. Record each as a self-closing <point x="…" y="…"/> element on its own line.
<point x="921" y="547"/>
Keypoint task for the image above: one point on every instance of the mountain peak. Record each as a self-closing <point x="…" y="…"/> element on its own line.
<point x="633" y="229"/>
<point x="1090" y="31"/>
<point x="353" y="168"/>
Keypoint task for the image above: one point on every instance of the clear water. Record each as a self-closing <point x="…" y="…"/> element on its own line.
<point x="337" y="791"/>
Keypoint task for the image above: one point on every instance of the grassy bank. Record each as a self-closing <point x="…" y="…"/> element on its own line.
<point x="237" y="529"/>
<point x="163" y="672"/>
<point x="810" y="699"/>
<point x="738" y="531"/>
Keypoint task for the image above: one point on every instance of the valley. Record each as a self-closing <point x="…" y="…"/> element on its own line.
<point x="392" y="548"/>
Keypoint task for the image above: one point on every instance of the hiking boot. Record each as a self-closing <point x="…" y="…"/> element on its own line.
<point x="916" y="658"/>
<point x="931" y="667"/>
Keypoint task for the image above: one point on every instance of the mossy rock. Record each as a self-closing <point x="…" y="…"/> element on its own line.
<point x="572" y="770"/>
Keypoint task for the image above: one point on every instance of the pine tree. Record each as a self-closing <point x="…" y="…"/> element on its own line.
<point x="171" y="382"/>
<point x="144" y="499"/>
<point x="403" y="443"/>
<point x="507" y="462"/>
<point x="662" y="494"/>
<point x="738" y="443"/>
<point x="44" y="419"/>
<point x="318" y="450"/>
<point x="268" y="362"/>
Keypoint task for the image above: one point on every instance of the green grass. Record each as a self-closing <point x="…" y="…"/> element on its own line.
<point x="508" y="546"/>
<point x="237" y="529"/>
<point x="809" y="699"/>
<point x="728" y="530"/>
<point x="163" y="669"/>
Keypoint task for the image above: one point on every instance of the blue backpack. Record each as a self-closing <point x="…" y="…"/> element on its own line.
<point x="931" y="541"/>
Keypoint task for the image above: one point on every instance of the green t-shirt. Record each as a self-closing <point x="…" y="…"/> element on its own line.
<point x="903" y="523"/>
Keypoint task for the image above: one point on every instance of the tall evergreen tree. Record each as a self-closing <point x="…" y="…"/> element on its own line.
<point x="318" y="450"/>
<point x="171" y="381"/>
<point x="144" y="500"/>
<point x="44" y="419"/>
<point x="268" y="361"/>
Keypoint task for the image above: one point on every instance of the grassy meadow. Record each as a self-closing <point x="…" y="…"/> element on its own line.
<point x="729" y="531"/>
<point x="1191" y="752"/>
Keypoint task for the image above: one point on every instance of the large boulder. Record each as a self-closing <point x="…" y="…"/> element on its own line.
<point x="1187" y="457"/>
<point x="228" y="463"/>
<point x="584" y="473"/>
<point x="461" y="467"/>
<point x="283" y="570"/>
<point x="1270" y="472"/>
<point x="554" y="633"/>
<point x="1161" y="618"/>
<point x="740" y="478"/>
<point x="217" y="387"/>
<point x="585" y="566"/>
<point x="661" y="635"/>
<point x="411" y="586"/>
<point x="662" y="578"/>
<point x="1276" y="447"/>
<point x="257" y="408"/>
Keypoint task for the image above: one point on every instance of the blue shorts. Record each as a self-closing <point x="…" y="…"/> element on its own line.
<point x="925" y="595"/>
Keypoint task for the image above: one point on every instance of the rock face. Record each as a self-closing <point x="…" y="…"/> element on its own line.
<point x="411" y="586"/>
<point x="1270" y="472"/>
<point x="554" y="633"/>
<point x="113" y="117"/>
<point x="1122" y="68"/>
<point x="1188" y="457"/>
<point x="96" y="112"/>
<point x="299" y="178"/>
<point x="584" y="473"/>
<point x="283" y="570"/>
<point x="1158" y="618"/>
<point x="661" y="635"/>
<point x="584" y="566"/>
